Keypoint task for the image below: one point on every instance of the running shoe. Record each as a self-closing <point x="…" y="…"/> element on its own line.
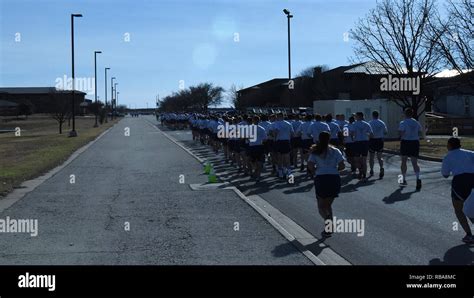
<point x="418" y="184"/>
<point x="404" y="183"/>
<point x="469" y="239"/>
<point x="325" y="234"/>
<point x="382" y="173"/>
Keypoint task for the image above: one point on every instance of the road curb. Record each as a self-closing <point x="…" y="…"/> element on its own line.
<point x="422" y="157"/>
<point x="294" y="233"/>
<point x="29" y="185"/>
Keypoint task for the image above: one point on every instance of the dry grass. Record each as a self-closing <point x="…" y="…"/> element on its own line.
<point x="40" y="147"/>
<point x="433" y="147"/>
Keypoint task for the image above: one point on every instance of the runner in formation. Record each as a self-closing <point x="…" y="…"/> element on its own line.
<point x="319" y="145"/>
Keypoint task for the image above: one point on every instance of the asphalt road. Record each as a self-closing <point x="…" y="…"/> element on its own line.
<point x="127" y="206"/>
<point x="402" y="226"/>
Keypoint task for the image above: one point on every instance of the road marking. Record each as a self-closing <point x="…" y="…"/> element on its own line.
<point x="293" y="232"/>
<point x="28" y="186"/>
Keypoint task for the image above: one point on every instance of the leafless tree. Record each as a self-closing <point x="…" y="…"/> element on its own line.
<point x="61" y="110"/>
<point x="456" y="35"/>
<point x="308" y="71"/>
<point x="396" y="35"/>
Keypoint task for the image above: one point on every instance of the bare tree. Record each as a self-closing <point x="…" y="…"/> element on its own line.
<point x="308" y="71"/>
<point x="397" y="36"/>
<point x="456" y="35"/>
<point x="60" y="110"/>
<point x="234" y="95"/>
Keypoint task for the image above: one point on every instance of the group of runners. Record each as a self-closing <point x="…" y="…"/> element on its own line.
<point x="319" y="145"/>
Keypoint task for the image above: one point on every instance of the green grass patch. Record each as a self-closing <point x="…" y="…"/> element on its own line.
<point x="433" y="147"/>
<point x="39" y="148"/>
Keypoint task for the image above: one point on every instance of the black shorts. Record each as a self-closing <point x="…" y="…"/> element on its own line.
<point x="376" y="145"/>
<point x="268" y="144"/>
<point x="283" y="146"/>
<point x="361" y="148"/>
<point x="350" y="149"/>
<point x="327" y="186"/>
<point x="245" y="147"/>
<point x="295" y="143"/>
<point x="306" y="144"/>
<point x="410" y="148"/>
<point x="273" y="147"/>
<point x="462" y="186"/>
<point x="334" y="142"/>
<point x="256" y="153"/>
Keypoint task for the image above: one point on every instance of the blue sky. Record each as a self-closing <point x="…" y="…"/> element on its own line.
<point x="170" y="41"/>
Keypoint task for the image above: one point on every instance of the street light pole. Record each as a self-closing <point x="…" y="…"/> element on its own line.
<point x="112" y="98"/>
<point x="73" y="132"/>
<point x="95" y="86"/>
<point x="106" y="116"/>
<point x="289" y="16"/>
<point x="115" y="100"/>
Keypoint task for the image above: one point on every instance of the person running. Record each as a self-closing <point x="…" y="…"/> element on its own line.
<point x="283" y="132"/>
<point x="460" y="163"/>
<point x="349" y="143"/>
<point x="295" y="139"/>
<point x="361" y="133"/>
<point x="409" y="130"/>
<point x="335" y="131"/>
<point x="325" y="162"/>
<point x="376" y="143"/>
<point x="306" y="139"/>
<point x="256" y="150"/>
<point x="317" y="127"/>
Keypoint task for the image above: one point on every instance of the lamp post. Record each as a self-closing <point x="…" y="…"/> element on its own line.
<point x="112" y="98"/>
<point x="106" y="116"/>
<point x="115" y="100"/>
<point x="95" y="86"/>
<point x="73" y="132"/>
<point x="289" y="16"/>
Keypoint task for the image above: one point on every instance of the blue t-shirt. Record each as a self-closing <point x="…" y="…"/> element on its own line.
<point x="316" y="128"/>
<point x="379" y="128"/>
<point x="260" y="136"/>
<point x="334" y="127"/>
<point x="458" y="161"/>
<point x="361" y="130"/>
<point x="326" y="164"/>
<point x="347" y="131"/>
<point x="410" y="128"/>
<point x="296" y="124"/>
<point x="303" y="130"/>
<point x="284" y="130"/>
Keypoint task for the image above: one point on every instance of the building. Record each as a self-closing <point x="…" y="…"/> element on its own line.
<point x="352" y="82"/>
<point x="452" y="94"/>
<point x="389" y="111"/>
<point x="8" y="108"/>
<point x="42" y="99"/>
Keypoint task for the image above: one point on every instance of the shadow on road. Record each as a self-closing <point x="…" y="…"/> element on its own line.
<point x="285" y="249"/>
<point x="398" y="196"/>
<point x="458" y="255"/>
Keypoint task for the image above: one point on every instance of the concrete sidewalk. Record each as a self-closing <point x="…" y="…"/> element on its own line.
<point x="127" y="206"/>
